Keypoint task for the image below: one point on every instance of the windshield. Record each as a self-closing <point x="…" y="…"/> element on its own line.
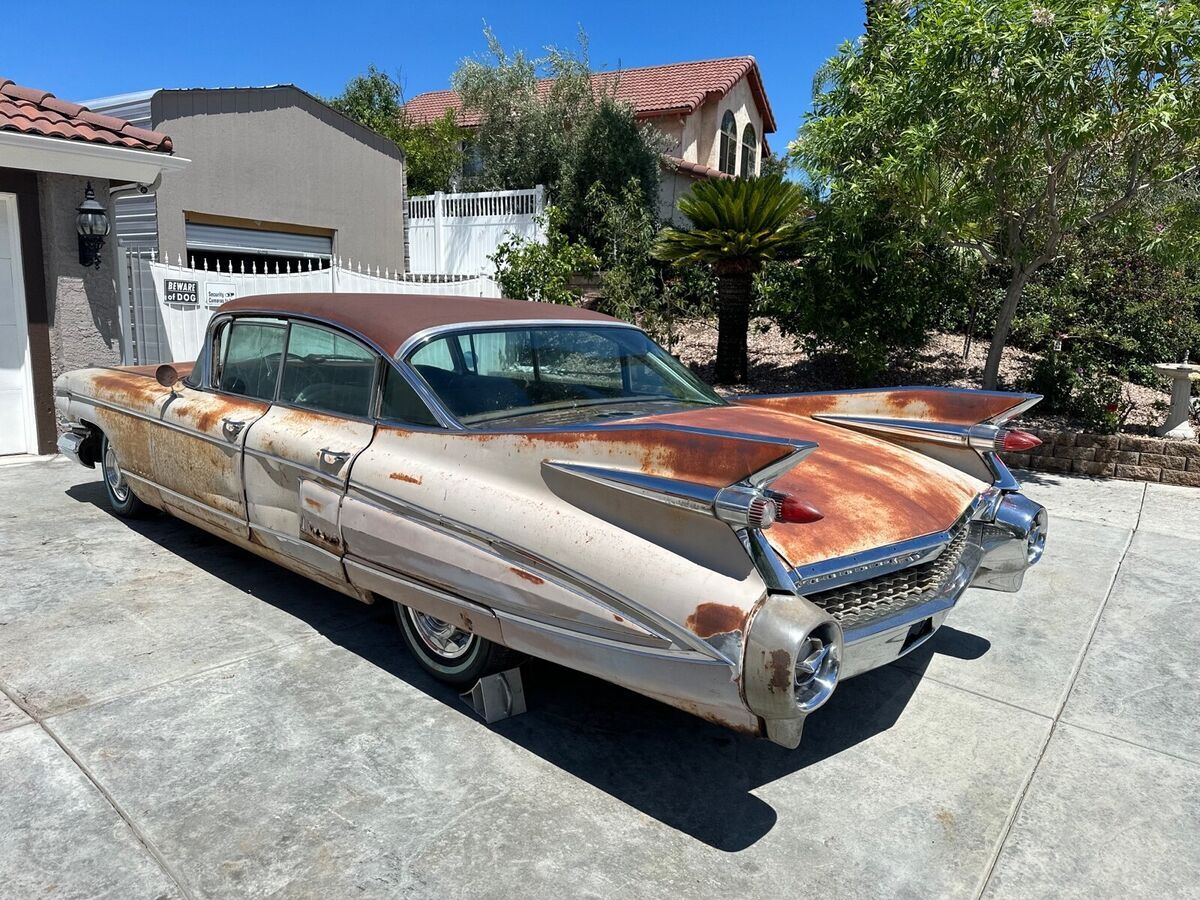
<point x="556" y="373"/>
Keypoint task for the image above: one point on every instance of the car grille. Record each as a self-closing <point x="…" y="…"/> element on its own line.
<point x="863" y="601"/>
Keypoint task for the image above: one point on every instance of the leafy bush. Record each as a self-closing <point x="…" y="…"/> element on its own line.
<point x="1081" y="388"/>
<point x="544" y="121"/>
<point x="432" y="152"/>
<point x="864" y="290"/>
<point x="529" y="270"/>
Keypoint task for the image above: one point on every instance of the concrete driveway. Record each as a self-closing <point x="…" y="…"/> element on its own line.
<point x="179" y="718"/>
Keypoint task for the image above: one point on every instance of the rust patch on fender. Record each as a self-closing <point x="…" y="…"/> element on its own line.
<point x="466" y="622"/>
<point x="528" y="576"/>
<point x="715" y="618"/>
<point x="400" y="476"/>
<point x="780" y="667"/>
<point x="312" y="503"/>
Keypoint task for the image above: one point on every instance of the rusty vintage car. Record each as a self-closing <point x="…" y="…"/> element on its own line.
<point x="527" y="479"/>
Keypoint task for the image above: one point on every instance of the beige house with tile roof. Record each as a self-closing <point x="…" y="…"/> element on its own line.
<point x="715" y="114"/>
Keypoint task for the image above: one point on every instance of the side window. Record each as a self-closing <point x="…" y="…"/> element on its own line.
<point x="327" y="371"/>
<point x="729" y="143"/>
<point x="253" y="352"/>
<point x="749" y="152"/>
<point x="401" y="402"/>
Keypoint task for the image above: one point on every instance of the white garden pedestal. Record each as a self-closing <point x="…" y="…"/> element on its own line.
<point x="1182" y="375"/>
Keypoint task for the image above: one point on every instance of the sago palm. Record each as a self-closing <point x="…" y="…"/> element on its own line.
<point x="737" y="225"/>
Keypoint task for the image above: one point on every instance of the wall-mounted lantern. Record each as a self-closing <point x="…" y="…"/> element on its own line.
<point x="93" y="226"/>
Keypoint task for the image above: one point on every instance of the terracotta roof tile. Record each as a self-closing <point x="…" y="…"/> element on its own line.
<point x="652" y="91"/>
<point x="697" y="169"/>
<point x="31" y="111"/>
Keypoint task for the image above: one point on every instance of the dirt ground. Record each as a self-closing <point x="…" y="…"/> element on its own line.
<point x="778" y="366"/>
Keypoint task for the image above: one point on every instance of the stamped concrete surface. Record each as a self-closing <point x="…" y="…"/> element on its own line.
<point x="179" y="718"/>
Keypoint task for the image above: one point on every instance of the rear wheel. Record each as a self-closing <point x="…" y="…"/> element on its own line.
<point x="447" y="652"/>
<point x="120" y="495"/>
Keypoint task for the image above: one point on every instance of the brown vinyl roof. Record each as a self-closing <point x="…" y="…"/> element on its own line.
<point x="32" y="111"/>
<point x="388" y="320"/>
<point x="652" y="91"/>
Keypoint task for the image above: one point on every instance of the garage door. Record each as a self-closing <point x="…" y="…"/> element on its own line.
<point x="254" y="241"/>
<point x="17" y="433"/>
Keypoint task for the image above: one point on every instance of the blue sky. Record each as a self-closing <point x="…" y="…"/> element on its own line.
<point x="319" y="46"/>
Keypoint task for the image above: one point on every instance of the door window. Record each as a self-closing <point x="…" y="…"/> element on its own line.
<point x="253" y="351"/>
<point x="401" y="403"/>
<point x="327" y="371"/>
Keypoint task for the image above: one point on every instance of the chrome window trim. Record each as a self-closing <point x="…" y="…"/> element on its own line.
<point x="425" y="335"/>
<point x="440" y="413"/>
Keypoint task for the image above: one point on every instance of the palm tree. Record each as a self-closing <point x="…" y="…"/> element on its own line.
<point x="737" y="225"/>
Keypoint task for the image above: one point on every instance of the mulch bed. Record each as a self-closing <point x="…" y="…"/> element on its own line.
<point x="778" y="367"/>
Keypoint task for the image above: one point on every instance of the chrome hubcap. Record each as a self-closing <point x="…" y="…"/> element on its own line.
<point x="440" y="638"/>
<point x="114" y="476"/>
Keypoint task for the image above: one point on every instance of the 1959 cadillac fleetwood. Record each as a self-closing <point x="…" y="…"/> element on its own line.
<point x="522" y="478"/>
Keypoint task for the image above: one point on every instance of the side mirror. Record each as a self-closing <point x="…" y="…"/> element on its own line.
<point x="166" y="375"/>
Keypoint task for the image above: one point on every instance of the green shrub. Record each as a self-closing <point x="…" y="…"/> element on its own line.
<point x="529" y="270"/>
<point x="1080" y="388"/>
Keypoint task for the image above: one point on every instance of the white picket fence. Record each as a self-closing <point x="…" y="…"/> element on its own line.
<point x="454" y="234"/>
<point x="166" y="308"/>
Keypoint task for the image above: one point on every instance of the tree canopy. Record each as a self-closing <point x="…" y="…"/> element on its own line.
<point x="1007" y="127"/>
<point x="432" y="151"/>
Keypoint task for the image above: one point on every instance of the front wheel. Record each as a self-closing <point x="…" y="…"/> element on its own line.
<point x="120" y="496"/>
<point x="447" y="652"/>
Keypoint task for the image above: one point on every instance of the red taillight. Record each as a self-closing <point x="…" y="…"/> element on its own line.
<point x="793" y="510"/>
<point x="1016" y="441"/>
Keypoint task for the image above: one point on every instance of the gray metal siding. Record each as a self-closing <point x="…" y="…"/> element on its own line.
<point x="135" y="216"/>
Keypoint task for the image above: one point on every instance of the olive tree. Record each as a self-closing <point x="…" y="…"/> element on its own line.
<point x="1008" y="127"/>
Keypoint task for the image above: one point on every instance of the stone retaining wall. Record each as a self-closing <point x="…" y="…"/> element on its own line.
<point x="1112" y="455"/>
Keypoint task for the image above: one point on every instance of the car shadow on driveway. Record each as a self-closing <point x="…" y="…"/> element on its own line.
<point x="685" y="772"/>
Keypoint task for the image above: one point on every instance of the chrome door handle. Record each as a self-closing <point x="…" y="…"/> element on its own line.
<point x="233" y="426"/>
<point x="333" y="457"/>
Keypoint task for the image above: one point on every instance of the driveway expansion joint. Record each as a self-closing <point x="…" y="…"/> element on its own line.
<point x="1057" y="718"/>
<point x="141" y="836"/>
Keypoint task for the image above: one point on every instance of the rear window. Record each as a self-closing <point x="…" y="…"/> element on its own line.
<point x="482" y="375"/>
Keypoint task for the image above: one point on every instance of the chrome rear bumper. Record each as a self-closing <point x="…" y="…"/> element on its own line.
<point x="75" y="445"/>
<point x="996" y="557"/>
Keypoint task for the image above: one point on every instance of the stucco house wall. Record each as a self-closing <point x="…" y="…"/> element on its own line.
<point x="270" y="155"/>
<point x="745" y="111"/>
<point x="82" y="305"/>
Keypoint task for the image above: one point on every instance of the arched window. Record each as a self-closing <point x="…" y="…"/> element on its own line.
<point x="729" y="140"/>
<point x="749" y="152"/>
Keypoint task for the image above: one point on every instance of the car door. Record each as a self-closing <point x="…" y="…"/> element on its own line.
<point x="298" y="455"/>
<point x="198" y="450"/>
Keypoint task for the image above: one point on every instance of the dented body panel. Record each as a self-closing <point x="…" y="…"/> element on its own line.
<point x="632" y="548"/>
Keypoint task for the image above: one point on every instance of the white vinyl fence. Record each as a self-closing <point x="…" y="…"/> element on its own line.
<point x="454" y="234"/>
<point x="166" y="308"/>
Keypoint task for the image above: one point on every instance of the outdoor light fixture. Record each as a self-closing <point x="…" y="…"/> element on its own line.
<point x="92" y="226"/>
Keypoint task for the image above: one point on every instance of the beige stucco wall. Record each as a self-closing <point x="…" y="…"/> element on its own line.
<point x="745" y="110"/>
<point x="260" y="156"/>
<point x="696" y="138"/>
<point x="82" y="307"/>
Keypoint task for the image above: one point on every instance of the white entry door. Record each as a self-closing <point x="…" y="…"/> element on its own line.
<point x="17" y="431"/>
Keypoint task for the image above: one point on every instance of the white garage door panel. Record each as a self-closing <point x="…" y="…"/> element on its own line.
<point x="16" y="390"/>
